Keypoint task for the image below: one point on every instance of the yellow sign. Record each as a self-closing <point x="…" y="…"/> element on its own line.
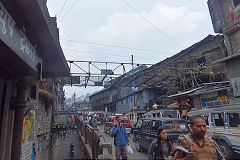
<point x="134" y="107"/>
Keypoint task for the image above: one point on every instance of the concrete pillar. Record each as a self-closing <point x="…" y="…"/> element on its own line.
<point x="7" y="123"/>
<point x="19" y="104"/>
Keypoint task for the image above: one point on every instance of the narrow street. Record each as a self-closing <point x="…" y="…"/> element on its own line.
<point x="62" y="152"/>
<point x="136" y="154"/>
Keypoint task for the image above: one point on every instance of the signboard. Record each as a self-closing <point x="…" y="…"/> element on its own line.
<point x="106" y="72"/>
<point x="236" y="86"/>
<point x="15" y="39"/>
<point x="73" y="80"/>
<point x="67" y="112"/>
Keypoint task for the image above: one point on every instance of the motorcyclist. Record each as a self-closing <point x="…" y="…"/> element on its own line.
<point x="71" y="146"/>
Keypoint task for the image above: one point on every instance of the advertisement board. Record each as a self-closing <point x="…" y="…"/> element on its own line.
<point x="235" y="82"/>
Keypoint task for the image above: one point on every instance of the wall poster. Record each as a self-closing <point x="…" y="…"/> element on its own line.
<point x="28" y="136"/>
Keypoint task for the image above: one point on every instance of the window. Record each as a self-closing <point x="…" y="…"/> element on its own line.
<point x="218" y="118"/>
<point x="236" y="2"/>
<point x="146" y="125"/>
<point x="124" y="120"/>
<point x="155" y="126"/>
<point x="173" y="114"/>
<point x="206" y="119"/>
<point x="234" y="119"/>
<point x="139" y="123"/>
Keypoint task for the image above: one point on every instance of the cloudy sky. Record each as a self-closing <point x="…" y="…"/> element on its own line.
<point x="113" y="30"/>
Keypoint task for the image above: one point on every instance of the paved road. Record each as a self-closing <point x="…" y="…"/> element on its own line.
<point x="62" y="152"/>
<point x="136" y="155"/>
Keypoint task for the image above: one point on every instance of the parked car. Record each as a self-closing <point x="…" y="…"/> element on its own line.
<point x="99" y="116"/>
<point x="223" y="125"/>
<point x="134" y="116"/>
<point x="112" y="120"/>
<point x="146" y="130"/>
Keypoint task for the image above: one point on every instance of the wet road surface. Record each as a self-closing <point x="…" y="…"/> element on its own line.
<point x="62" y="151"/>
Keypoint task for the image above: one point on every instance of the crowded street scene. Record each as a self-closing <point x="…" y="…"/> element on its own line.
<point x="119" y="80"/>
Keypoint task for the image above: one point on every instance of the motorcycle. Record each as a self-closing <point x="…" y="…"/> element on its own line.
<point x="71" y="152"/>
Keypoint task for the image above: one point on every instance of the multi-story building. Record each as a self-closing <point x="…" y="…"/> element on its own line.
<point x="225" y="19"/>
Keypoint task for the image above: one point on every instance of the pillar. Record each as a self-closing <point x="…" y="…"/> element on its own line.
<point x="19" y="103"/>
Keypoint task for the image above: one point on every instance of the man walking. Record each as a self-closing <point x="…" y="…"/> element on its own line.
<point x="204" y="147"/>
<point x="120" y="139"/>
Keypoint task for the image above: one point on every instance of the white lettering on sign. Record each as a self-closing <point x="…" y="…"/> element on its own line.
<point x="26" y="47"/>
<point x="15" y="39"/>
<point x="6" y="21"/>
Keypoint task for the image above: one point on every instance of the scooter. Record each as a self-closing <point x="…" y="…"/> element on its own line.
<point x="71" y="152"/>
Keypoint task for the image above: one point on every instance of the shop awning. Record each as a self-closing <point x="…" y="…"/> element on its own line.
<point x="184" y="93"/>
<point x="227" y="58"/>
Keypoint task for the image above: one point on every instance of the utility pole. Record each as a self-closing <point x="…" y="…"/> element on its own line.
<point x="132" y="62"/>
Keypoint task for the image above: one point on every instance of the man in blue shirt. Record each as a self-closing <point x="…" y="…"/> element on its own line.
<point x="120" y="139"/>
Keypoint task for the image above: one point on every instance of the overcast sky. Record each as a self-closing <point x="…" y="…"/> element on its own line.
<point x="113" y="30"/>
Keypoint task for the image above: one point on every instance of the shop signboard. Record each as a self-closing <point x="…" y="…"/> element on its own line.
<point x="73" y="80"/>
<point x="236" y="86"/>
<point x="17" y="41"/>
<point x="107" y="72"/>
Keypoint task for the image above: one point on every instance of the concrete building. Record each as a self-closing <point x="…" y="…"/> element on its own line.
<point x="30" y="51"/>
<point x="182" y="72"/>
<point x="225" y="19"/>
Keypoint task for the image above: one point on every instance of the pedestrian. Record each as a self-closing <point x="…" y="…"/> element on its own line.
<point x="64" y="134"/>
<point x="203" y="147"/>
<point x="93" y="122"/>
<point x="120" y="139"/>
<point x="161" y="147"/>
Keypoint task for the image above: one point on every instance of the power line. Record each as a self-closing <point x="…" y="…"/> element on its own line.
<point x="69" y="10"/>
<point x="82" y="51"/>
<point x="158" y="29"/>
<point x="93" y="52"/>
<point x="116" y="46"/>
<point x="62" y="8"/>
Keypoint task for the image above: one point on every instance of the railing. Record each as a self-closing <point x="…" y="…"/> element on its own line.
<point x="91" y="141"/>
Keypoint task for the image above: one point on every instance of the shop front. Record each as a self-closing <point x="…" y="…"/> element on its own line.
<point x="23" y="63"/>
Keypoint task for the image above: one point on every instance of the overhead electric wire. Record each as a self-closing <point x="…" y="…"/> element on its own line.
<point x="158" y="29"/>
<point x="136" y="56"/>
<point x="116" y="46"/>
<point x="73" y="50"/>
<point x="68" y="10"/>
<point x="62" y="8"/>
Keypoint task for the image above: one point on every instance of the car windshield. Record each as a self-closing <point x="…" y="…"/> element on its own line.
<point x="172" y="114"/>
<point x="100" y="114"/>
<point x="176" y="126"/>
<point x="124" y="119"/>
